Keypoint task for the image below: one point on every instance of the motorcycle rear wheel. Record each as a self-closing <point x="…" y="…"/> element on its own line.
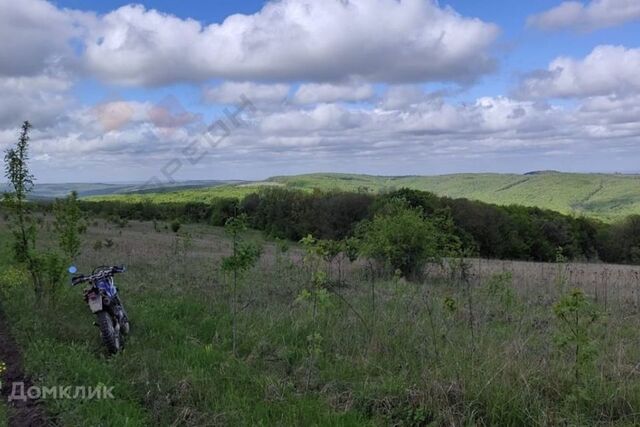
<point x="110" y="336"/>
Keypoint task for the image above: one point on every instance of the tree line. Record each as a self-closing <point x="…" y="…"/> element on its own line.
<point x="486" y="230"/>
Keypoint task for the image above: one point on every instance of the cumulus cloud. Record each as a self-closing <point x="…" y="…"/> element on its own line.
<point x="403" y="96"/>
<point x="431" y="129"/>
<point x="38" y="63"/>
<point x="488" y="127"/>
<point x="34" y="35"/>
<point x="231" y="93"/>
<point x="328" y="117"/>
<point x="310" y="67"/>
<point x="313" y="93"/>
<point x="606" y="70"/>
<point x="594" y="15"/>
<point x="40" y="99"/>
<point x="304" y="40"/>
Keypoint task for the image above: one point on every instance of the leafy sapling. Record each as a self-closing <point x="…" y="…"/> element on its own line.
<point x="316" y="292"/>
<point x="23" y="226"/>
<point x="244" y="256"/>
<point x="69" y="226"/>
<point x="577" y="316"/>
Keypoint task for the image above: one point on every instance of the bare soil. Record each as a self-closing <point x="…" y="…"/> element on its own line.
<point x="22" y="413"/>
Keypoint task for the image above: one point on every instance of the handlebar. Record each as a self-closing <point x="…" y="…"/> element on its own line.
<point x="102" y="273"/>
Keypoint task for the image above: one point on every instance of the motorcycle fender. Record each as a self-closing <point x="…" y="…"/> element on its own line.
<point x="95" y="303"/>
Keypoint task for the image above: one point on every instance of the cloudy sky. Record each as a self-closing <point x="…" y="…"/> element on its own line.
<point x="182" y="90"/>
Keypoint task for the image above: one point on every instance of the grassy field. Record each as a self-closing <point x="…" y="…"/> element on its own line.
<point x="374" y="353"/>
<point x="193" y="195"/>
<point x="3" y="415"/>
<point x="606" y="197"/>
<point x="50" y="191"/>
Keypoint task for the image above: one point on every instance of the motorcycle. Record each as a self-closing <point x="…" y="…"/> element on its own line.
<point x="104" y="301"/>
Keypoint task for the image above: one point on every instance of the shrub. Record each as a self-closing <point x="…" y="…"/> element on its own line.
<point x="12" y="277"/>
<point x="403" y="238"/>
<point x="577" y="316"/>
<point x="69" y="225"/>
<point x="222" y="210"/>
<point x="243" y="257"/>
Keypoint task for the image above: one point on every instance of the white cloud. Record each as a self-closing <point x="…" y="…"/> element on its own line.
<point x="37" y="61"/>
<point x="403" y="96"/>
<point x="37" y="37"/>
<point x="308" y="40"/>
<point x="323" y="117"/>
<point x="348" y="134"/>
<point x="231" y="93"/>
<point x="594" y="15"/>
<point x="335" y="51"/>
<point x="313" y="93"/>
<point x="39" y="99"/>
<point x="606" y="70"/>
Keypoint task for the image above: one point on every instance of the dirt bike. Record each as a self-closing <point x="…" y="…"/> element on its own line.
<point x="102" y="297"/>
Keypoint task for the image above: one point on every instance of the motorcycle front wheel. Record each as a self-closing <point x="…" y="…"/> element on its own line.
<point x="110" y="336"/>
<point x="125" y="326"/>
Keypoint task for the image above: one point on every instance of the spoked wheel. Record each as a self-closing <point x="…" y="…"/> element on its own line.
<point x="110" y="335"/>
<point x="125" y="326"/>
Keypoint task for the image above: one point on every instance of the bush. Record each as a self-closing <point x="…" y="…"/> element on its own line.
<point x="621" y="242"/>
<point x="175" y="226"/>
<point x="403" y="238"/>
<point x="69" y="225"/>
<point x="12" y="277"/>
<point x="222" y="210"/>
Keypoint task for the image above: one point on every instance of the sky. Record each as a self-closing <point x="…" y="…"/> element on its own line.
<point x="165" y="91"/>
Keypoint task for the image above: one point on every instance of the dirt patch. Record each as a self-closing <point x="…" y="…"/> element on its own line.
<point x="22" y="413"/>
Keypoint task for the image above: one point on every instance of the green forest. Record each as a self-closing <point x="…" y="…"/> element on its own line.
<point x="487" y="230"/>
<point x="607" y="197"/>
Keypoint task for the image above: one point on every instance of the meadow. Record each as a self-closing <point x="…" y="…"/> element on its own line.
<point x="204" y="195"/>
<point x="3" y="414"/>
<point x="475" y="343"/>
<point x="608" y="197"/>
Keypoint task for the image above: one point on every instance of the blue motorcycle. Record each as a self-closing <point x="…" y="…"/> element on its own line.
<point x="102" y="297"/>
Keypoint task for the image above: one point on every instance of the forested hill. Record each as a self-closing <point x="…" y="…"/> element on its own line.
<point x="604" y="196"/>
<point x="607" y="197"/>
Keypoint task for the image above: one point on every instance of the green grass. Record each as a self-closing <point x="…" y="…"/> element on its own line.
<point x="61" y="190"/>
<point x="3" y="415"/>
<point x="193" y="195"/>
<point x="405" y="368"/>
<point x="604" y="196"/>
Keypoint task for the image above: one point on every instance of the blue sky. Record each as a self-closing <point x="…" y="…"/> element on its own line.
<point x="120" y="91"/>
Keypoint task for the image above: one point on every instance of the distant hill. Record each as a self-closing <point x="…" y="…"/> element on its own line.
<point x="604" y="196"/>
<point x="52" y="191"/>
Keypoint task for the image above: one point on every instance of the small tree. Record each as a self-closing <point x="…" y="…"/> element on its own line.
<point x="577" y="317"/>
<point x="23" y="228"/>
<point x="404" y="238"/>
<point x="331" y="250"/>
<point x="69" y="225"/>
<point x="316" y="292"/>
<point x="244" y="256"/>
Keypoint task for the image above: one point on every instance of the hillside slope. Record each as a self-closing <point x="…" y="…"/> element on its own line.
<point x="52" y="191"/>
<point x="604" y="196"/>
